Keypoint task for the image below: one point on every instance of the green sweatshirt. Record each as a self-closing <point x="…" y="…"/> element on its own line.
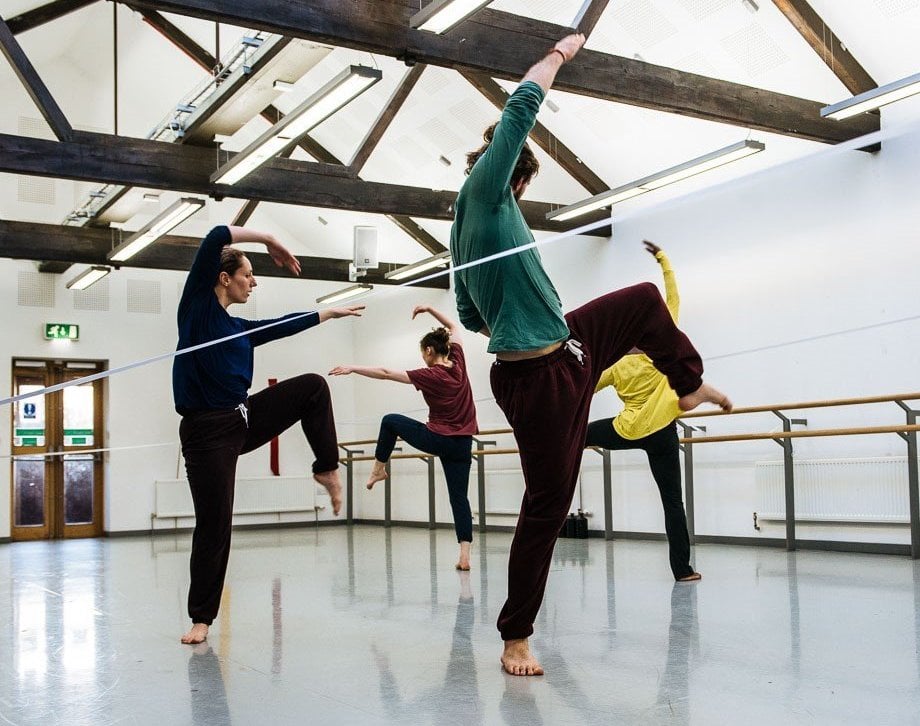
<point x="512" y="297"/>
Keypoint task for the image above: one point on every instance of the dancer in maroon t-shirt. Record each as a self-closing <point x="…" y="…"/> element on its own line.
<point x="451" y="418"/>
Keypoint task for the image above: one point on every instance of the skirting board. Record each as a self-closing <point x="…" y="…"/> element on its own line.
<point x="236" y="528"/>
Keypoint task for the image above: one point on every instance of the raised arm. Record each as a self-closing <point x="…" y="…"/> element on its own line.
<point x="453" y="327"/>
<point x="672" y="296"/>
<point x="544" y="71"/>
<point x="279" y="254"/>
<point x="383" y="374"/>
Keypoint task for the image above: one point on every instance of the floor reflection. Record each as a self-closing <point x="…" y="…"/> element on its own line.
<point x="459" y="691"/>
<point x="683" y="636"/>
<point x="206" y="685"/>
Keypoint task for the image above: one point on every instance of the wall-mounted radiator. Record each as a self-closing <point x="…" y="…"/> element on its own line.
<point x="836" y="490"/>
<point x="266" y="495"/>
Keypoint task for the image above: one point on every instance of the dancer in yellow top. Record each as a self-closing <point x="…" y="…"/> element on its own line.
<point x="647" y="422"/>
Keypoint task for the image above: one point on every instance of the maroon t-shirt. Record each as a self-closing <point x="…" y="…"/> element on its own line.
<point x="447" y="392"/>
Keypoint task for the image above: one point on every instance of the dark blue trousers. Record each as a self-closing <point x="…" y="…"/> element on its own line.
<point x="455" y="453"/>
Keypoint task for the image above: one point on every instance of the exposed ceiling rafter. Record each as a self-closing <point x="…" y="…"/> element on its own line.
<point x="827" y="45"/>
<point x="376" y="132"/>
<point x="588" y="16"/>
<point x="504" y="45"/>
<point x="45" y="14"/>
<point x="90" y="245"/>
<point x="109" y="159"/>
<point x="272" y="114"/>
<point x="33" y="84"/>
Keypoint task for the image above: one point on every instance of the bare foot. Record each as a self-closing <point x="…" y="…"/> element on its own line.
<point x="704" y="394"/>
<point x="517" y="660"/>
<point x="378" y="473"/>
<point x="464" y="562"/>
<point x="198" y="634"/>
<point x="329" y="480"/>
<point x="692" y="577"/>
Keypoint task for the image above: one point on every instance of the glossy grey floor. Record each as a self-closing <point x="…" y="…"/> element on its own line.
<point x="365" y="625"/>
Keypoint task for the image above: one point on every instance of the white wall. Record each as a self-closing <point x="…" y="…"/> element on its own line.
<point x="139" y="402"/>
<point x="797" y="284"/>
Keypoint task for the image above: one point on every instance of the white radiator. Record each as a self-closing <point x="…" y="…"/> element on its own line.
<point x="836" y="490"/>
<point x="264" y="495"/>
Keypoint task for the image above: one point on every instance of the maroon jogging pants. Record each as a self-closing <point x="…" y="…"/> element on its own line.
<point x="546" y="401"/>
<point x="212" y="441"/>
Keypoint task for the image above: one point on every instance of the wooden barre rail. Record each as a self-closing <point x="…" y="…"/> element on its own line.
<point x="806" y="404"/>
<point x="748" y="409"/>
<point x="865" y="430"/>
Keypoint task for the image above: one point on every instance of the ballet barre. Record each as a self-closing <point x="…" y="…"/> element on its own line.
<point x="907" y="431"/>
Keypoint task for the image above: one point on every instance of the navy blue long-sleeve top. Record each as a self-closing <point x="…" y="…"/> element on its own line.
<point x="219" y="376"/>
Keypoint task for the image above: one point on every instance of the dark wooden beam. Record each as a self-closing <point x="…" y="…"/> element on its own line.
<point x="543" y="137"/>
<point x="505" y="45"/>
<point x="55" y="268"/>
<point x="386" y="118"/>
<point x="33" y="84"/>
<point x="178" y="38"/>
<point x="273" y="115"/>
<point x="827" y="45"/>
<point x="44" y="14"/>
<point x="590" y="13"/>
<point x="90" y="245"/>
<point x="108" y="159"/>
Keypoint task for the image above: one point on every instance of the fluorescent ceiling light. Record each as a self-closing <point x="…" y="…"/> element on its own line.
<point x="876" y="98"/>
<point x="401" y="273"/>
<point x="170" y="217"/>
<point x="89" y="276"/>
<point x="346" y="86"/>
<point x="439" y="16"/>
<point x="283" y="86"/>
<point x="345" y="293"/>
<point x="662" y="178"/>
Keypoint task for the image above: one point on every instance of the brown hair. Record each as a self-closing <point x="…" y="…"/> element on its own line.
<point x="231" y="259"/>
<point x="439" y="339"/>
<point x="527" y="164"/>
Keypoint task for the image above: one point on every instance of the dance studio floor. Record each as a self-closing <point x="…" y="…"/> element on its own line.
<point x="365" y="625"/>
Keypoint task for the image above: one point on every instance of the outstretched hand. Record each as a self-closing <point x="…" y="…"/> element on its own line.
<point x="651" y="247"/>
<point x="282" y="257"/>
<point x="341" y="370"/>
<point x="570" y="45"/>
<point x="345" y="312"/>
<point x="418" y="309"/>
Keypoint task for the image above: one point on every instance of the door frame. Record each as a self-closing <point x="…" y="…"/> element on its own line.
<point x="56" y="370"/>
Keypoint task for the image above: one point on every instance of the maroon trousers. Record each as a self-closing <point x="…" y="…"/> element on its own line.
<point x="211" y="443"/>
<point x="546" y="401"/>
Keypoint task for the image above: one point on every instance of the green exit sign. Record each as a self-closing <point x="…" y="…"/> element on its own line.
<point x="62" y="331"/>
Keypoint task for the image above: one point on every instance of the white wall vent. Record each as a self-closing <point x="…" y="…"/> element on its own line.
<point x="143" y="296"/>
<point x="36" y="289"/>
<point x="95" y="297"/>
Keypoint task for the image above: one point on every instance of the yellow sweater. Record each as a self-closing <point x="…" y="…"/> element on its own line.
<point x="649" y="403"/>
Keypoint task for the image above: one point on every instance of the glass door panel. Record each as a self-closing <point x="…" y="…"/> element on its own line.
<point x="79" y="477"/>
<point x="29" y="492"/>
<point x="79" y="415"/>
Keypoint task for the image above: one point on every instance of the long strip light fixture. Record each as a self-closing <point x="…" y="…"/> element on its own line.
<point x="88" y="277"/>
<point x="345" y="294"/>
<point x="170" y="217"/>
<point x="871" y="100"/>
<point x="429" y="263"/>
<point x="337" y="93"/>
<point x="439" y="16"/>
<point x="662" y="178"/>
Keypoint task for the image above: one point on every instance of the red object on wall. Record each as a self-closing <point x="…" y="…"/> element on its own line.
<point x="273" y="451"/>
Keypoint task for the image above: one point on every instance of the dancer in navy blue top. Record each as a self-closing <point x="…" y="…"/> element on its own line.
<point x="220" y="420"/>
